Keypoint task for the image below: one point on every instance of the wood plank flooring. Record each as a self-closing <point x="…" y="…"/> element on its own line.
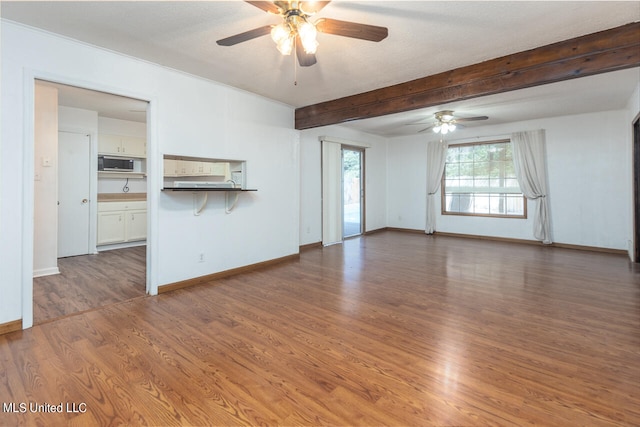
<point x="393" y="328"/>
<point x="89" y="281"/>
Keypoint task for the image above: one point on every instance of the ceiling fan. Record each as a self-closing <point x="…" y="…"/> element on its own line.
<point x="446" y="122"/>
<point x="296" y="31"/>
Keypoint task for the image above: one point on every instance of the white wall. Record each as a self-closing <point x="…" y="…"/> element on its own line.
<point x="188" y="116"/>
<point x="122" y="127"/>
<point x="588" y="173"/>
<point x="45" y="217"/>
<point x="72" y="119"/>
<point x="589" y="153"/>
<point x="407" y="182"/>
<point x="311" y="180"/>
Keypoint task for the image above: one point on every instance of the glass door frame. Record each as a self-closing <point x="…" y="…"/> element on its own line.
<point x="361" y="151"/>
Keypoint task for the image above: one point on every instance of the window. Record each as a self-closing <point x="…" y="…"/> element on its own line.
<point x="479" y="179"/>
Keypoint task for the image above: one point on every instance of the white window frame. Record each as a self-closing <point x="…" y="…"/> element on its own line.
<point x="487" y="191"/>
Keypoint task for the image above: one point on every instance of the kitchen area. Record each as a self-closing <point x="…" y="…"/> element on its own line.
<point x="90" y="200"/>
<point x="122" y="191"/>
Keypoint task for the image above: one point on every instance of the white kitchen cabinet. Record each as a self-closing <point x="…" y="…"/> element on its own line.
<point x="110" y="227"/>
<point x="135" y="225"/>
<point x="118" y="145"/>
<point x="134" y="146"/>
<point x="179" y="168"/>
<point x="171" y="167"/>
<point x="109" y="144"/>
<point x="219" y="169"/>
<point x="121" y="222"/>
<point x="174" y="167"/>
<point x="190" y="168"/>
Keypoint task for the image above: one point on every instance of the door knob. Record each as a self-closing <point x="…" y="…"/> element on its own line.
<point x="84" y="201"/>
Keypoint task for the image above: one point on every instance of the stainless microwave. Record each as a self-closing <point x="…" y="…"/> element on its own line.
<point x="116" y="164"/>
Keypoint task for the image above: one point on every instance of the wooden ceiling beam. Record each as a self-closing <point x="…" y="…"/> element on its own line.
<point x="610" y="50"/>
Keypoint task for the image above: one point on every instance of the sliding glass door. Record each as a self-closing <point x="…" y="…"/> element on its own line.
<point x="352" y="191"/>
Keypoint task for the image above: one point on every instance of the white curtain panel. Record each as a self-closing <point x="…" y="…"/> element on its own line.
<point x="436" y="157"/>
<point x="331" y="193"/>
<point x="530" y="167"/>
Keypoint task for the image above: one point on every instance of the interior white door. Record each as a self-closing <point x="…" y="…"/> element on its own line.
<point x="74" y="169"/>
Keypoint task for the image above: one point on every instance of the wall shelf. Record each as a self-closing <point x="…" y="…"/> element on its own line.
<point x="123" y="175"/>
<point x="199" y="206"/>
<point x="206" y="189"/>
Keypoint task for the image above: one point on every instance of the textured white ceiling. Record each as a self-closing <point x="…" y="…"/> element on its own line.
<point x="106" y="104"/>
<point x="425" y="38"/>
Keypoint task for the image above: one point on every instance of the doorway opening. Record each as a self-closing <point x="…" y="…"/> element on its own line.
<point x="75" y="269"/>
<point x="352" y="192"/>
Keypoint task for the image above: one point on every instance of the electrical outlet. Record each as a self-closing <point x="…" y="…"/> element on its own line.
<point x="201" y="257"/>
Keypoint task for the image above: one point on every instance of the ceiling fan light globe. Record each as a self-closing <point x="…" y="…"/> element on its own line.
<point x="452" y="127"/>
<point x="310" y="47"/>
<point x="307" y="32"/>
<point x="285" y="46"/>
<point x="279" y="33"/>
<point x="437" y="129"/>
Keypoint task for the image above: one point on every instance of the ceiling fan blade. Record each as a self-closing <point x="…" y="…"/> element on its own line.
<point x="426" y="129"/>
<point x="267" y="6"/>
<point x="247" y="35"/>
<point x="311" y="7"/>
<point x="471" y="119"/>
<point x="304" y="59"/>
<point x="352" y="29"/>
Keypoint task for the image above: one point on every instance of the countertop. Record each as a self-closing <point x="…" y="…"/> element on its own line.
<point x="122" y="197"/>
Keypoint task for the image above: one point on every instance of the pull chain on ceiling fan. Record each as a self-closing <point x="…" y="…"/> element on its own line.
<point x="297" y="32"/>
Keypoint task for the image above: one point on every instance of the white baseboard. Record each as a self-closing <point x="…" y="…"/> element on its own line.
<point x="121" y="245"/>
<point x="46" y="272"/>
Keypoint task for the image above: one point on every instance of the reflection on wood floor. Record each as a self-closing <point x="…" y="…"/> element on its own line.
<point x="89" y="281"/>
<point x="396" y="329"/>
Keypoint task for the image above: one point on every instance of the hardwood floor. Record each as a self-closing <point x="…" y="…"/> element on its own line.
<point x="392" y="328"/>
<point x="89" y="281"/>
